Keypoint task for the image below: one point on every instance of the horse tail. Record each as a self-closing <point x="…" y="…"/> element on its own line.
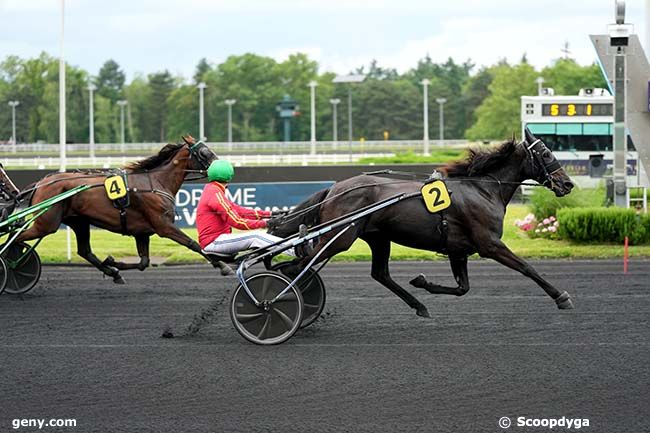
<point x="307" y="212"/>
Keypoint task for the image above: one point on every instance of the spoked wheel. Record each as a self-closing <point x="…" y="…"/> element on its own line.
<point x="312" y="289"/>
<point x="3" y="275"/>
<point x="23" y="268"/>
<point x="271" y="322"/>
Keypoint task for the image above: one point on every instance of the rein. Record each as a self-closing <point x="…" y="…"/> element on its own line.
<point x="101" y="172"/>
<point x="533" y="156"/>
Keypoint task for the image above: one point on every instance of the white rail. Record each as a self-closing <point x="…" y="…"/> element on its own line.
<point x="292" y="147"/>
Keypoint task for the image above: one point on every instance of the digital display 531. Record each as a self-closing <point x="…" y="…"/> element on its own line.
<point x="556" y="110"/>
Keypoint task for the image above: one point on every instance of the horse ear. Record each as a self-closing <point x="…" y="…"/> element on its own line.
<point x="530" y="138"/>
<point x="188" y="139"/>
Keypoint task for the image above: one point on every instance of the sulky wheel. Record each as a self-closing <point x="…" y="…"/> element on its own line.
<point x="23" y="268"/>
<point x="269" y="323"/>
<point x="312" y="289"/>
<point x="3" y="275"/>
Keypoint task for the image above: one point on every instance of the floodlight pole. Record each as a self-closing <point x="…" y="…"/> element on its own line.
<point x="230" y="103"/>
<point x="122" y="103"/>
<point x="91" y="121"/>
<point x="425" y="108"/>
<point x="62" y="132"/>
<point x="13" y="105"/>
<point x="540" y="82"/>
<point x="350" y="123"/>
<point x="335" y="128"/>
<point x="442" y="101"/>
<point x="201" y="86"/>
<point x="312" y="86"/>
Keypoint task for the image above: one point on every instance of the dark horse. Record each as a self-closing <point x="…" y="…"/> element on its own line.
<point x="153" y="183"/>
<point x="481" y="187"/>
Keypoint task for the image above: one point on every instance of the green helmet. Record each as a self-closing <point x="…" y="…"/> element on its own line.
<point x="221" y="171"/>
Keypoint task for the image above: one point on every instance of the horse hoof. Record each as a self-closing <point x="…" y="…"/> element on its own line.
<point x="564" y="302"/>
<point x="117" y="279"/>
<point x="423" y="312"/>
<point x="420" y="281"/>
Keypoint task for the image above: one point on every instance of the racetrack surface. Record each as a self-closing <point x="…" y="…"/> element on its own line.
<point x="80" y="347"/>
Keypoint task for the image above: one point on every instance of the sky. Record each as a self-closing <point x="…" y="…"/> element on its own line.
<point x="146" y="36"/>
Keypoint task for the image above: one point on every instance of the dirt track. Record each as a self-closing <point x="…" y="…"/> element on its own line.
<point x="80" y="347"/>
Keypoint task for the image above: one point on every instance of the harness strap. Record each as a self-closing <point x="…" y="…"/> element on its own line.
<point x="443" y="229"/>
<point x="123" y="221"/>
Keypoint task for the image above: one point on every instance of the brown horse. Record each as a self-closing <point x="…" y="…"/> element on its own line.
<point x="152" y="185"/>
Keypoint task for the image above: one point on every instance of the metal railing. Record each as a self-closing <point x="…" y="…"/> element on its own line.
<point x="296" y="147"/>
<point x="46" y="155"/>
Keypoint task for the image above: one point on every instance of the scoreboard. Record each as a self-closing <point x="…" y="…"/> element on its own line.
<point x="577" y="109"/>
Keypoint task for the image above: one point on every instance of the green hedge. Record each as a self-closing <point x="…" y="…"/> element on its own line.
<point x="544" y="203"/>
<point x="604" y="225"/>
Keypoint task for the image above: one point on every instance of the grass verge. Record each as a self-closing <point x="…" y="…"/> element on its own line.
<point x="53" y="248"/>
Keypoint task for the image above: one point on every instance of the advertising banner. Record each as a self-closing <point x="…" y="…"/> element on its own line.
<point x="266" y="196"/>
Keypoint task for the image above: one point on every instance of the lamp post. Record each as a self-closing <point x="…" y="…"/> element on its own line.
<point x="312" y="87"/>
<point x="91" y="121"/>
<point x="425" y="109"/>
<point x="13" y="105"/>
<point x="349" y="79"/>
<point x="230" y="103"/>
<point x="442" y="101"/>
<point x="201" y="86"/>
<point x="335" y="129"/>
<point x="539" y="81"/>
<point x="62" y="131"/>
<point x="122" y="103"/>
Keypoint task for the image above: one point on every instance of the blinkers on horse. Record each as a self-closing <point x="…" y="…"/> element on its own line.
<point x="545" y="166"/>
<point x="201" y="154"/>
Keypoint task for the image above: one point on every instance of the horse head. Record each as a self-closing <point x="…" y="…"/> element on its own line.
<point x="544" y="167"/>
<point x="200" y="154"/>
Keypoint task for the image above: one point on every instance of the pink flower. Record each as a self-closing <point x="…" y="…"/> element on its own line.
<point x="552" y="218"/>
<point x="546" y="221"/>
<point x="552" y="229"/>
<point x="529" y="218"/>
<point x="518" y="222"/>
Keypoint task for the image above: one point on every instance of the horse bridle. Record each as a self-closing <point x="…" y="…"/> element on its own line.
<point x="535" y="158"/>
<point x="198" y="152"/>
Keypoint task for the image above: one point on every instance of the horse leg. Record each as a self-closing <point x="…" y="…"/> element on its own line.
<point x="380" y="249"/>
<point x="142" y="243"/>
<point x="45" y="225"/>
<point x="502" y="254"/>
<point x="82" y="233"/>
<point x="459" y="269"/>
<point x="172" y="232"/>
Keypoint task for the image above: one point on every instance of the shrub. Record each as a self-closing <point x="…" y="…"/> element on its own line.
<point x="543" y="202"/>
<point x="604" y="225"/>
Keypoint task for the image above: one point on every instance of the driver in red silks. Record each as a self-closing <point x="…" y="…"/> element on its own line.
<point x="217" y="215"/>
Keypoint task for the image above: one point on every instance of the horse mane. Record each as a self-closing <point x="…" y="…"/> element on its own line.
<point x="480" y="161"/>
<point x="165" y="154"/>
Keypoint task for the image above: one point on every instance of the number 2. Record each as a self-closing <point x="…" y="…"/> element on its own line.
<point x="436" y="200"/>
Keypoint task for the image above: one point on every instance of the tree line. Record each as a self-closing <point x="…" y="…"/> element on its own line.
<point x="481" y="104"/>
